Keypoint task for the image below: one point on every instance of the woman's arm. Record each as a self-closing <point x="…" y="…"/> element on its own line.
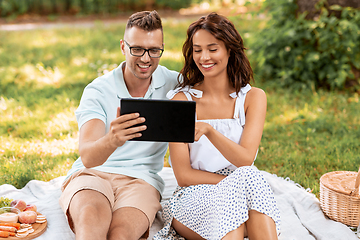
<point x="180" y="161"/>
<point x="242" y="154"/>
<point x="95" y="145"/>
<point x="184" y="173"/>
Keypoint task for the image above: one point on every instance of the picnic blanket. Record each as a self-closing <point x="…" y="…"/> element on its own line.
<point x="300" y="211"/>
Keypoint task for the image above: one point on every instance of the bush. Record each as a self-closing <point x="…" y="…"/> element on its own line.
<point x="174" y="4"/>
<point x="295" y="52"/>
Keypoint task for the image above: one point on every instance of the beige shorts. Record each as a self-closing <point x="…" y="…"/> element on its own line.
<point x="115" y="187"/>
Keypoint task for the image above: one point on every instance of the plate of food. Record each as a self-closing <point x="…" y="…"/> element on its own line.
<point x="19" y="220"/>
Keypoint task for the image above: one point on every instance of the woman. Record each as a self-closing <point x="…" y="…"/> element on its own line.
<point x="220" y="194"/>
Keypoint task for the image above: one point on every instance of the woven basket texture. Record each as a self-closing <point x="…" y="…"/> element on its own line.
<point x="339" y="196"/>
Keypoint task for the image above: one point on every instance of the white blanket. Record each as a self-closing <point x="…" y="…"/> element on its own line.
<point x="301" y="215"/>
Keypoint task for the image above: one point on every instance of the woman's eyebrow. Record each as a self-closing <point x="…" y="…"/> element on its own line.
<point x="209" y="45"/>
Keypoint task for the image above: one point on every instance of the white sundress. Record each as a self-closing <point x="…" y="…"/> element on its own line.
<point x="212" y="211"/>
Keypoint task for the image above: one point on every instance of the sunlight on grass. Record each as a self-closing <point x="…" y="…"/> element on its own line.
<point x="51" y="76"/>
<point x="114" y="56"/>
<point x="291" y="115"/>
<point x="58" y="170"/>
<point x="104" y="68"/>
<point x="12" y="110"/>
<point x="44" y="39"/>
<point x="51" y="38"/>
<point x="173" y="55"/>
<point x="79" y="61"/>
<point x="28" y="74"/>
<point x="62" y="122"/>
<point x="45" y="119"/>
<point x="68" y="144"/>
<point x="4" y="104"/>
<point x="22" y="161"/>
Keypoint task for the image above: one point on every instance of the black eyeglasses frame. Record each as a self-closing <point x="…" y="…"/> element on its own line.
<point x="145" y="50"/>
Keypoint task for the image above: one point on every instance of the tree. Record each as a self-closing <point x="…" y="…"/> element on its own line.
<point x="309" y="6"/>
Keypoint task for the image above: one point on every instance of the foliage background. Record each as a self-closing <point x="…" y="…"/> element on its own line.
<point x="296" y="52"/>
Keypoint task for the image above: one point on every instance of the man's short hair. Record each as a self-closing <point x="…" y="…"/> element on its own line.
<point x="145" y="20"/>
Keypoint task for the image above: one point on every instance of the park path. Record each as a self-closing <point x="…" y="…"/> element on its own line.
<point x="89" y="22"/>
<point x="55" y="25"/>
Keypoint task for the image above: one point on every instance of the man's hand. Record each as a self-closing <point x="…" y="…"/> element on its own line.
<point x="122" y="128"/>
<point x="95" y="146"/>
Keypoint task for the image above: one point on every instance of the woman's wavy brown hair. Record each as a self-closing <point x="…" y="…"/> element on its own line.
<point x="239" y="70"/>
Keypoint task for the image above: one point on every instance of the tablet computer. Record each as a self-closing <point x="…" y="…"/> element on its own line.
<point x="166" y="120"/>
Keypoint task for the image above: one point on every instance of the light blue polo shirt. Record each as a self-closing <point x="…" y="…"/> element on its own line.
<point x="100" y="100"/>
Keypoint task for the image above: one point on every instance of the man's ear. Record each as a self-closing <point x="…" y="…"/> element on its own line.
<point x="122" y="46"/>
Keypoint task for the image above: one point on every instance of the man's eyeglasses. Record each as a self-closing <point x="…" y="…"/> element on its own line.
<point x="139" y="52"/>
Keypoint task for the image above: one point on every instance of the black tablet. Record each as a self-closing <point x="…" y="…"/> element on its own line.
<point x="166" y="120"/>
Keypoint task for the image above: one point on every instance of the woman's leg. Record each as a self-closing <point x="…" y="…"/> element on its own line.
<point x="260" y="226"/>
<point x="184" y="231"/>
<point x="236" y="234"/>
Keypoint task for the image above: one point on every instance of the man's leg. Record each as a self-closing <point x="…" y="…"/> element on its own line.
<point x="128" y="223"/>
<point x="91" y="214"/>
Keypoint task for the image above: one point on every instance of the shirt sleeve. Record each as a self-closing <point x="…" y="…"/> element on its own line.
<point x="91" y="106"/>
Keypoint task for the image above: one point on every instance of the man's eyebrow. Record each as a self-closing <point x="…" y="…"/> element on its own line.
<point x="138" y="46"/>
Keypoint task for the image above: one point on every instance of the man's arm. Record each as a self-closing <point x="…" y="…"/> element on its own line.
<point x="95" y="145"/>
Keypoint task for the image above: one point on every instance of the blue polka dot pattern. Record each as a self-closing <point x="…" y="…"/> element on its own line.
<point x="212" y="211"/>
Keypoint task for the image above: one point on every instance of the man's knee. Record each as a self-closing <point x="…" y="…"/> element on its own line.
<point x="128" y="223"/>
<point x="121" y="232"/>
<point x="89" y="205"/>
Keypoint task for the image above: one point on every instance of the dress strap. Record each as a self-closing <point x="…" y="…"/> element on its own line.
<point x="188" y="91"/>
<point x="239" y="111"/>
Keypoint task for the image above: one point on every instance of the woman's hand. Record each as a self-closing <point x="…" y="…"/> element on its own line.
<point x="201" y="128"/>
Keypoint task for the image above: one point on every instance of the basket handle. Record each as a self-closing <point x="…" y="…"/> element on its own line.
<point x="355" y="191"/>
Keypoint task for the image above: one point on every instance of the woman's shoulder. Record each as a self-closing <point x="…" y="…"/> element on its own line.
<point x="179" y="96"/>
<point x="255" y="92"/>
<point x="255" y="97"/>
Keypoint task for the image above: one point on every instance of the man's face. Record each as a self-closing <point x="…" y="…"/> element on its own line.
<point x="141" y="67"/>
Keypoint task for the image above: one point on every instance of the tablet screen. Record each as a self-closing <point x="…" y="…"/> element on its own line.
<point x="166" y="120"/>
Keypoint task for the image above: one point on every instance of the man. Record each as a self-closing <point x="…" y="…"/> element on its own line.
<point x="113" y="190"/>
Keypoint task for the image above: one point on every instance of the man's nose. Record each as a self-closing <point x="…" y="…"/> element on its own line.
<point x="146" y="57"/>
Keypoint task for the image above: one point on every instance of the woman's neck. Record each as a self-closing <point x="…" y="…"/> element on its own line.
<point x="216" y="86"/>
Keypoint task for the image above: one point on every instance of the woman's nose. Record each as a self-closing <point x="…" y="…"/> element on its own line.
<point x="205" y="55"/>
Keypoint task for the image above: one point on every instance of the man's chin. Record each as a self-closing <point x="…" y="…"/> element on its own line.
<point x="143" y="76"/>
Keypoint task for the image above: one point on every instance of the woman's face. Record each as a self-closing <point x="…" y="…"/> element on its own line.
<point x="210" y="54"/>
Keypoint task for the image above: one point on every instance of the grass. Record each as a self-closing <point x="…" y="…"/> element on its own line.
<point x="43" y="74"/>
<point x="309" y="134"/>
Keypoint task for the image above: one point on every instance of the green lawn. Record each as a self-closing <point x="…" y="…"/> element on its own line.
<point x="43" y="74"/>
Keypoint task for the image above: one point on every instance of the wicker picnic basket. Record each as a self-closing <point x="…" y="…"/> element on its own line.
<point x="339" y="196"/>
